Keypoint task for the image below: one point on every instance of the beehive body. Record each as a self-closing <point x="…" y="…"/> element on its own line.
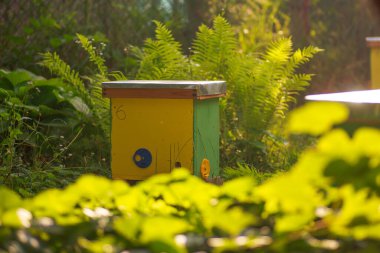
<point x="154" y="134"/>
<point x="374" y="44"/>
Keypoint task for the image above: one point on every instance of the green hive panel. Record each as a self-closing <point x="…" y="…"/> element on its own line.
<point x="206" y="134"/>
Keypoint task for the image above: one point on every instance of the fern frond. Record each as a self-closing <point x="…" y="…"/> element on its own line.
<point x="57" y="66"/>
<point x="161" y="58"/>
<point x="302" y="56"/>
<point x="245" y="170"/>
<point x="137" y="52"/>
<point x="117" y="75"/>
<point x="163" y="34"/>
<point x="276" y="85"/>
<point x="93" y="55"/>
<point x="202" y="46"/>
<point x="213" y="48"/>
<point x="95" y="91"/>
<point x="279" y="50"/>
<point x="93" y="98"/>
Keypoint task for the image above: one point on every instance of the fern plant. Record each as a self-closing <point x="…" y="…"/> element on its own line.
<point x="162" y="57"/>
<point x="260" y="89"/>
<point x="241" y="170"/>
<point x="56" y="65"/>
<point x="89" y="87"/>
<point x="214" y="48"/>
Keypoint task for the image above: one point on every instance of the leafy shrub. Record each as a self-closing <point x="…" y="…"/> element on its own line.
<point x="91" y="91"/>
<point x="328" y="202"/>
<point x="54" y="130"/>
<point x="40" y="121"/>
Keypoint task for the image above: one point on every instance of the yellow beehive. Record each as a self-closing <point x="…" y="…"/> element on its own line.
<point x="374" y="44"/>
<point x="161" y="125"/>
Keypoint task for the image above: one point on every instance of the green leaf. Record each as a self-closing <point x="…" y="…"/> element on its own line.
<point x="359" y="216"/>
<point x="316" y="118"/>
<point x="293" y="222"/>
<point x="90" y="186"/>
<point x="230" y="220"/>
<point x="100" y="37"/>
<point x="129" y="228"/>
<point x="166" y="231"/>
<point x="48" y="111"/>
<point x="49" y="22"/>
<point x="328" y="143"/>
<point x="367" y="141"/>
<point x="19" y="76"/>
<point x="56" y="42"/>
<point x="42" y="95"/>
<point x="3" y="72"/>
<point x="6" y="84"/>
<point x="5" y="93"/>
<point x="9" y="199"/>
<point x="240" y="188"/>
<point x="80" y="105"/>
<point x="292" y="197"/>
<point x="99" y="246"/>
<point x="58" y="205"/>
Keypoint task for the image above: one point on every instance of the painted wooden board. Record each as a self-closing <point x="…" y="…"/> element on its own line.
<point x="148" y="93"/>
<point x="206" y="134"/>
<point x="164" y="127"/>
<point x="375" y="66"/>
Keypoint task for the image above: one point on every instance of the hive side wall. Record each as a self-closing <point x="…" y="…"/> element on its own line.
<point x="164" y="127"/>
<point x="206" y="134"/>
<point x="375" y="66"/>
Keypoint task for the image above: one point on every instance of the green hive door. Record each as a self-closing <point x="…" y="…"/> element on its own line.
<point x="206" y="134"/>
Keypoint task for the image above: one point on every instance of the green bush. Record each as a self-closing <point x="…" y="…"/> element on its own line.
<point x="42" y="124"/>
<point x="328" y="202"/>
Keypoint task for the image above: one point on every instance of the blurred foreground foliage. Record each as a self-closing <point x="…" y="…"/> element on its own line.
<point x="328" y="202"/>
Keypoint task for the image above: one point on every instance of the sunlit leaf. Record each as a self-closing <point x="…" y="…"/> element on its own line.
<point x="19" y="76"/>
<point x="9" y="199"/>
<point x="80" y="106"/>
<point x="167" y="228"/>
<point x="316" y="118"/>
<point x="359" y="216"/>
<point x="338" y="138"/>
<point x="245" y="186"/>
<point x="293" y="222"/>
<point x="367" y="141"/>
